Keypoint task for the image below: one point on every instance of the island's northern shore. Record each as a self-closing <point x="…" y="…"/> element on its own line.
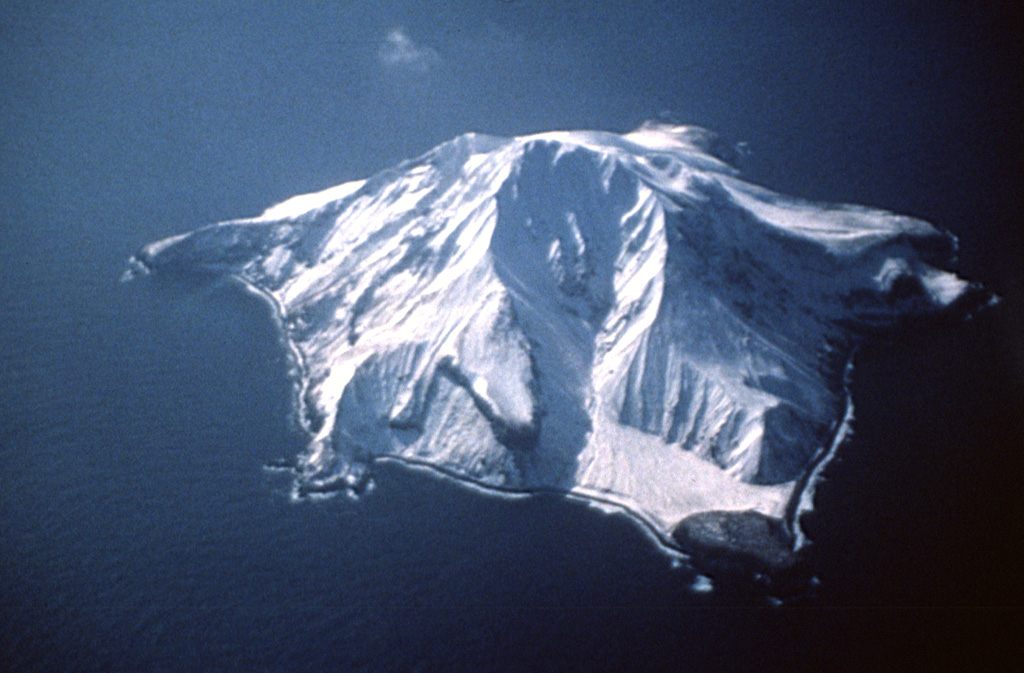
<point x="743" y="547"/>
<point x="729" y="552"/>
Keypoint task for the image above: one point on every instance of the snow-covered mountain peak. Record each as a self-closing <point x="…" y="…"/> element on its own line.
<point x="651" y="148"/>
<point x="620" y="317"/>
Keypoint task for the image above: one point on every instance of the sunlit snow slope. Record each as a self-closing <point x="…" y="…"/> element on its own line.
<point x="616" y="316"/>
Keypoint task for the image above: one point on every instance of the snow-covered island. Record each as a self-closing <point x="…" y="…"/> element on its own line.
<point x="616" y="317"/>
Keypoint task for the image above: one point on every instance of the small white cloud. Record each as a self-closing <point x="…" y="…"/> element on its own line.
<point x="399" y="51"/>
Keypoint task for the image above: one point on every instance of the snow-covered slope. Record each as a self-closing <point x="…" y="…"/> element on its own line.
<point x="616" y="316"/>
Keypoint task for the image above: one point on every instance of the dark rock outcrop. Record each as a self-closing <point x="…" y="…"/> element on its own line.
<point x="743" y="548"/>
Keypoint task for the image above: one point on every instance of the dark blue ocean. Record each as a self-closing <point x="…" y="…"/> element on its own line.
<point x="140" y="531"/>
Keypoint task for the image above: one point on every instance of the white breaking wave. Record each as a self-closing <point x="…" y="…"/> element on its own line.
<point x="618" y="317"/>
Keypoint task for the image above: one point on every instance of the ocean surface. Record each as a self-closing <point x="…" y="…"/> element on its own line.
<point x="140" y="531"/>
<point x="138" y="528"/>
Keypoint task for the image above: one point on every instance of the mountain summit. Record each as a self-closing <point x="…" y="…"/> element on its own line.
<point x="618" y="317"/>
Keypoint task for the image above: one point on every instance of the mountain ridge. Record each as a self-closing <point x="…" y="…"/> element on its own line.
<point x="613" y="316"/>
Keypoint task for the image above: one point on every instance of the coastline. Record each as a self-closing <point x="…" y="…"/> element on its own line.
<point x="663" y="541"/>
<point x="799" y="502"/>
<point x="298" y="370"/>
<point x="802" y="500"/>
